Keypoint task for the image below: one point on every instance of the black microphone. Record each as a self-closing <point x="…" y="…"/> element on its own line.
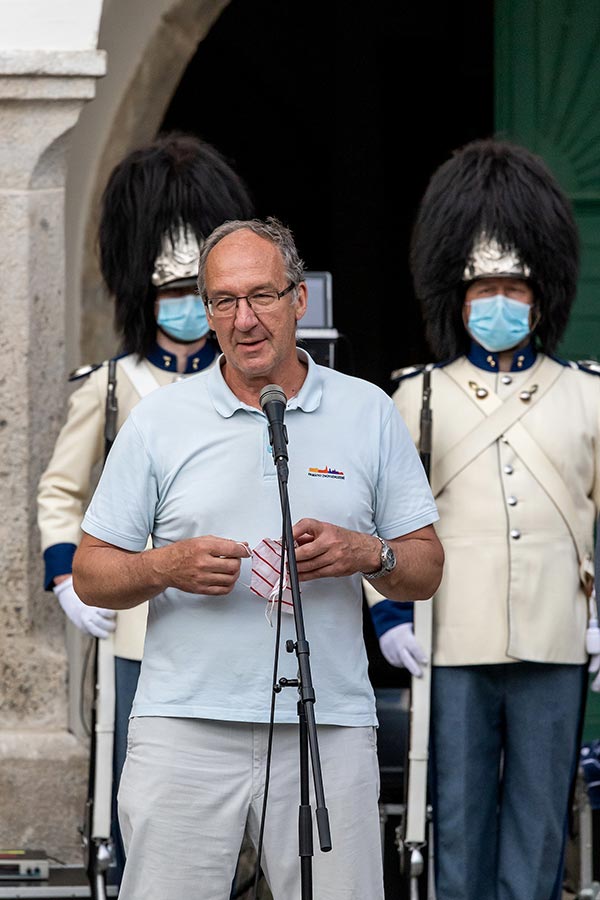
<point x="273" y="402"/>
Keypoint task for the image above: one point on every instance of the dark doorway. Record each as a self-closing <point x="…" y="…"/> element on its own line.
<point x="335" y="114"/>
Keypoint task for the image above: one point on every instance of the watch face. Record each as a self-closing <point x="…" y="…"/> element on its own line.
<point x="388" y="558"/>
<point x="388" y="562"/>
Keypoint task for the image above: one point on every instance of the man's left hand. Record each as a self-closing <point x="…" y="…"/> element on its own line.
<point x="324" y="550"/>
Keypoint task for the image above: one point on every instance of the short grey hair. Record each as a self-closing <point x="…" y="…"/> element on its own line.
<point x="271" y="229"/>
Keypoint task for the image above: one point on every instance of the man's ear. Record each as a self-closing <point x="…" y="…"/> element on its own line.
<point x="301" y="300"/>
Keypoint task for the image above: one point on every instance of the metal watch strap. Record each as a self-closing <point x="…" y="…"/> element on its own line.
<point x="371" y="576"/>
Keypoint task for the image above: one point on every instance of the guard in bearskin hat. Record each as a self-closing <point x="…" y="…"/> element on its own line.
<point x="160" y="202"/>
<point x="515" y="458"/>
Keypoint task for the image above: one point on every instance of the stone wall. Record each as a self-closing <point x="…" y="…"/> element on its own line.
<point x="43" y="767"/>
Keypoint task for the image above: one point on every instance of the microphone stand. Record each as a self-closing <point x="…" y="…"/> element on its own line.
<point x="306" y="712"/>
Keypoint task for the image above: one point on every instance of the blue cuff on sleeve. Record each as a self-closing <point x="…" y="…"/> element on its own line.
<point x="389" y="613"/>
<point x="58" y="560"/>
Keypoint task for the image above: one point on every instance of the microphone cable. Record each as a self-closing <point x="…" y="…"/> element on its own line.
<point x="271" y="718"/>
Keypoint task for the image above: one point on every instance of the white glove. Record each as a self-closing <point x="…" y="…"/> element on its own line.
<point x="89" y="619"/>
<point x="594" y="666"/>
<point x="401" y="648"/>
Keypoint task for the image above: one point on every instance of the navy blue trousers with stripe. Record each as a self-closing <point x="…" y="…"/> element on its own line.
<point x="504" y="752"/>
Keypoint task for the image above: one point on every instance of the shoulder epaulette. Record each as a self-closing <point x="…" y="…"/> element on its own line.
<point x="592" y="366"/>
<point x="589" y="365"/>
<point x="406" y="372"/>
<point x="84" y="371"/>
<point x="411" y="371"/>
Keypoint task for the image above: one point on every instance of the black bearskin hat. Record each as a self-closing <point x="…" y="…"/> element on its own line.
<point x="503" y="192"/>
<point x="176" y="181"/>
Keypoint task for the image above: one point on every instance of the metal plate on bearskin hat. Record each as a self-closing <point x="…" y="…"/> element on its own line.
<point x="488" y="259"/>
<point x="177" y="263"/>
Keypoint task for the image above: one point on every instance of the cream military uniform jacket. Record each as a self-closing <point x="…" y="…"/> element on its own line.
<point x="515" y="471"/>
<point x="69" y="480"/>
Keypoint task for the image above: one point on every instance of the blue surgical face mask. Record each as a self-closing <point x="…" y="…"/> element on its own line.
<point x="183" y="318"/>
<point x="498" y="323"/>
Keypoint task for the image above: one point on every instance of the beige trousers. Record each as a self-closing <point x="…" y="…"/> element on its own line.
<point x="192" y="787"/>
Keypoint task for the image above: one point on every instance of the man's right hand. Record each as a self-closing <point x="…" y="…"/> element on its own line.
<point x="401" y="648"/>
<point x="202" y="565"/>
<point x="90" y="620"/>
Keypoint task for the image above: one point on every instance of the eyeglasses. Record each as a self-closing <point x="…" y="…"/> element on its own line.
<point x="261" y="301"/>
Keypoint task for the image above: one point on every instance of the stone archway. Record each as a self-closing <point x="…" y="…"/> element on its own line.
<point x="143" y="74"/>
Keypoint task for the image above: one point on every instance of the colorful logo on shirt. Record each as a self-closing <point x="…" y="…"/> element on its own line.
<point x="327" y="472"/>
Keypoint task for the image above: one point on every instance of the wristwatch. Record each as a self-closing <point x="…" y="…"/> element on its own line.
<point x="388" y="561"/>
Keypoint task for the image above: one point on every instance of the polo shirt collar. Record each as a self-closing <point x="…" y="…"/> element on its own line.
<point x="162" y="359"/>
<point x="226" y="403"/>
<point x="523" y="358"/>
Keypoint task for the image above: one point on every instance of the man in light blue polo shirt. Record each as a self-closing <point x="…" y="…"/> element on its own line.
<point x="193" y="467"/>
